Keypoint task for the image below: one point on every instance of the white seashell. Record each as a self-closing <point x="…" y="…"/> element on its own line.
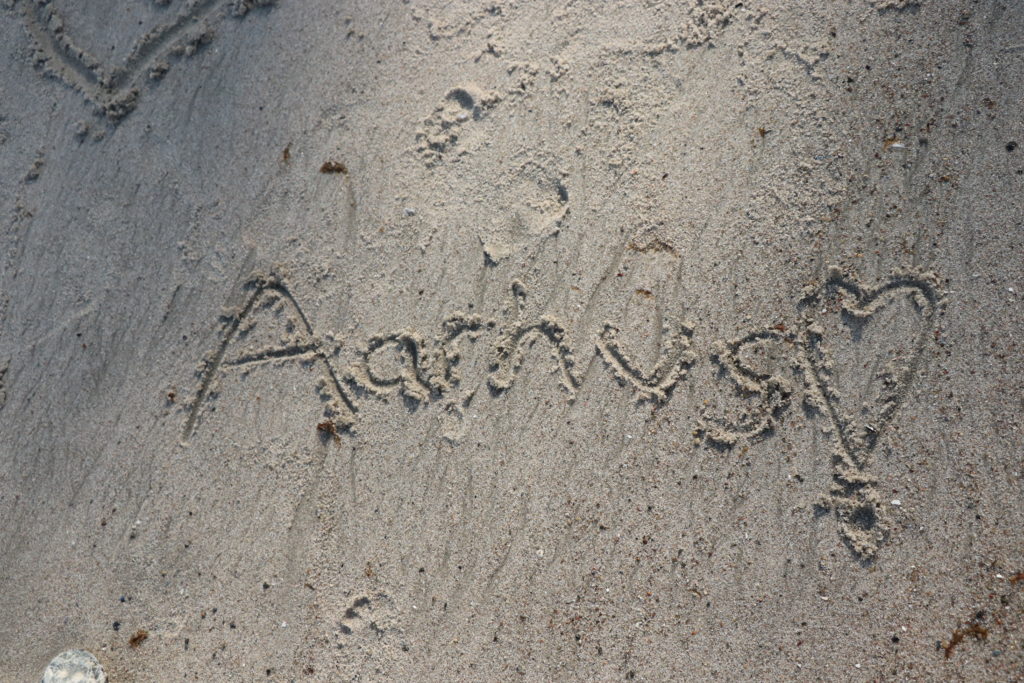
<point x="74" y="666"/>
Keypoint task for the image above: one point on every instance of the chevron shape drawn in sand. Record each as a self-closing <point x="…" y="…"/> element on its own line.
<point x="673" y="361"/>
<point x="115" y="87"/>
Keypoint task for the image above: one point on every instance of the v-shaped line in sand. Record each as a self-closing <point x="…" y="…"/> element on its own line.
<point x="114" y="88"/>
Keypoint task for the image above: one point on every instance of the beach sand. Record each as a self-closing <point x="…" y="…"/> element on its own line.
<point x="512" y="340"/>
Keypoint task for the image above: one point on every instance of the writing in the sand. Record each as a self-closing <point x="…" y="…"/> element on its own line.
<point x="427" y="369"/>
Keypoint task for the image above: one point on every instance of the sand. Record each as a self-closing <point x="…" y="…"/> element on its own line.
<point x="512" y="340"/>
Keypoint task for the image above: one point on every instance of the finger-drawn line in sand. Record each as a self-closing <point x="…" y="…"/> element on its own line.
<point x="299" y="351"/>
<point x="266" y="292"/>
<point x="863" y="520"/>
<point x="673" y="361"/>
<point x="773" y="391"/>
<point x="520" y="334"/>
<point x="410" y="380"/>
<point x="444" y="368"/>
<point x="509" y="353"/>
<point x="115" y="89"/>
<point x="4" y="366"/>
<point x="428" y="369"/>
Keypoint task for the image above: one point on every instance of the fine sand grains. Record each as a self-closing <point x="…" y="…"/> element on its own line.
<point x="501" y="340"/>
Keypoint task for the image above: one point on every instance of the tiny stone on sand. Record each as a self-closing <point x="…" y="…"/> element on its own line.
<point x="74" y="666"/>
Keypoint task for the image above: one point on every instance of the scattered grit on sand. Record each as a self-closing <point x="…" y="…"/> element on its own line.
<point x="512" y="340"/>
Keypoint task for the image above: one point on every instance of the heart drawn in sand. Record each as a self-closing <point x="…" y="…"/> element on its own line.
<point x="861" y="350"/>
<point x="166" y="29"/>
<point x="872" y="381"/>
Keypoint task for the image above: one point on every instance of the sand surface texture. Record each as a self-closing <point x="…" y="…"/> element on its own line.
<point x="512" y="340"/>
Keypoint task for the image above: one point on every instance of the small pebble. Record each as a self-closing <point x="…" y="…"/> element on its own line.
<point x="74" y="666"/>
